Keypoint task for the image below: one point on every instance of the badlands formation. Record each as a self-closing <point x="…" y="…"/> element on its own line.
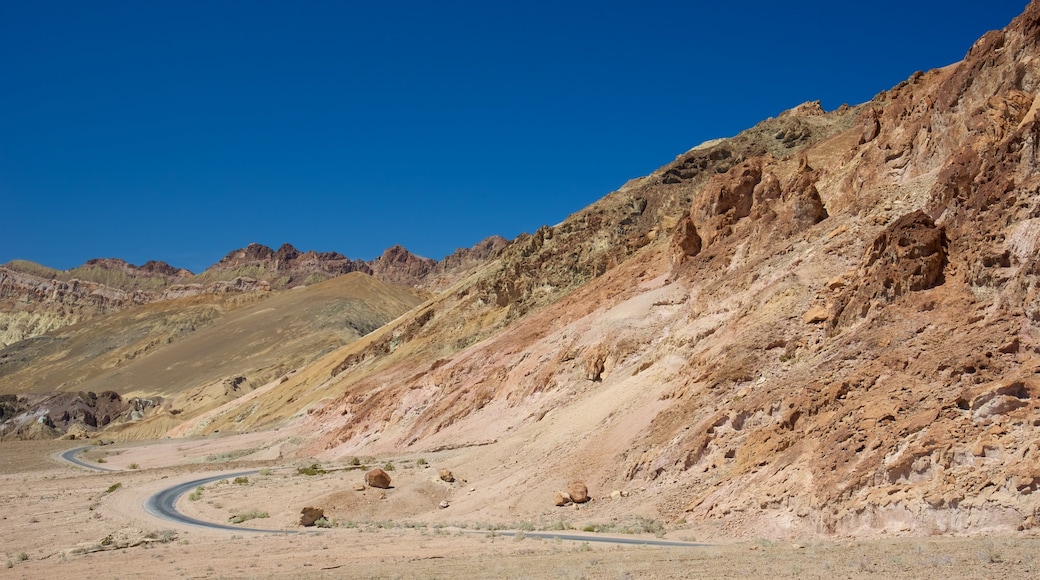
<point x="825" y="326"/>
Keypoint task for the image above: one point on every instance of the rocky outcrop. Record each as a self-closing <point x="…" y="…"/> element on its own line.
<point x="285" y="267"/>
<point x="80" y="412"/>
<point x="399" y="266"/>
<point x="909" y="255"/>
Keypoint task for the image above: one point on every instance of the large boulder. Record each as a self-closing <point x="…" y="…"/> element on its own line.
<point x="309" y="515"/>
<point x="578" y="492"/>
<point x="378" y="478"/>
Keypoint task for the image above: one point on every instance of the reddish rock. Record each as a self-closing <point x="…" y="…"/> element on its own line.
<point x="578" y="492"/>
<point x="378" y="478"/>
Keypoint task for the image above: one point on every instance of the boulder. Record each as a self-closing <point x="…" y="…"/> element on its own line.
<point x="309" y="515"/>
<point x="378" y="478"/>
<point x="562" y="499"/>
<point x="578" y="492"/>
<point x="447" y="475"/>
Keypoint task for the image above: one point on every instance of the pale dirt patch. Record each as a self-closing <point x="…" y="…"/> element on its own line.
<point x="57" y="520"/>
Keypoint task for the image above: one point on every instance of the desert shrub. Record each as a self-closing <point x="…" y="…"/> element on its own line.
<point x="241" y="480"/>
<point x="134" y="466"/>
<point x="355" y="461"/>
<point x="250" y="515"/>
<point x="197" y="494"/>
<point x="388" y="467"/>
<point x="113" y="487"/>
<point x="313" y="469"/>
<point x="421" y="461"/>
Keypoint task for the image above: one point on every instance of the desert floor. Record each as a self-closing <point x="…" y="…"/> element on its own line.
<point x="61" y="520"/>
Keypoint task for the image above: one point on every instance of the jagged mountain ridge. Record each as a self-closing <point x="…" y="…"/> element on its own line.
<point x="35" y="299"/>
<point x="825" y="325"/>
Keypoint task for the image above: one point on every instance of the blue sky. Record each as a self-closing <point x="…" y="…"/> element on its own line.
<point x="179" y="131"/>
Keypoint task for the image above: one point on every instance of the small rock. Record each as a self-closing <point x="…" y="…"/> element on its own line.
<point x="816" y="315"/>
<point x="447" y="475"/>
<point x="562" y="499"/>
<point x="359" y="487"/>
<point x="616" y="494"/>
<point x="444" y="504"/>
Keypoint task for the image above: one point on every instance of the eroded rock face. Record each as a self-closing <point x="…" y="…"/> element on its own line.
<point x="909" y="255"/>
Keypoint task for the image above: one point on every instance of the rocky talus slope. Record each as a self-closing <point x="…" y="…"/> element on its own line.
<point x="826" y="324"/>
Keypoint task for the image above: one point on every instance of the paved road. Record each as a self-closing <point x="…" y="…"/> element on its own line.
<point x="164" y="505"/>
<point x="71" y="454"/>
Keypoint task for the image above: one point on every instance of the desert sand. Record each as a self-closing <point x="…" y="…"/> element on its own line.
<point x="62" y="520"/>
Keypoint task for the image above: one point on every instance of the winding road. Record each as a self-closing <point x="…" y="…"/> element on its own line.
<point x="71" y="454"/>
<point x="163" y="505"/>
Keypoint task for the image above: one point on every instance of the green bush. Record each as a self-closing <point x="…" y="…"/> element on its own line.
<point x="113" y="487"/>
<point x="250" y="515"/>
<point x="197" y="494"/>
<point x="314" y="469"/>
<point x="241" y="480"/>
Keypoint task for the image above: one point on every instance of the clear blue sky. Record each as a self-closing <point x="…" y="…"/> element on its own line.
<point x="181" y="130"/>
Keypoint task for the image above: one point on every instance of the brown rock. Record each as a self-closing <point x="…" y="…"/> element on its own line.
<point x="309" y="515"/>
<point x="816" y="314"/>
<point x="562" y="499"/>
<point x="578" y="492"/>
<point x="447" y="475"/>
<point x="378" y="478"/>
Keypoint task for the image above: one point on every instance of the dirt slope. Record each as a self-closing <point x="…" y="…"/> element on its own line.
<point x="187" y="355"/>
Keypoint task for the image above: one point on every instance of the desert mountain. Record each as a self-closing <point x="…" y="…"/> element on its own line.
<point x="179" y="357"/>
<point x="826" y="324"/>
<point x="35" y="299"/>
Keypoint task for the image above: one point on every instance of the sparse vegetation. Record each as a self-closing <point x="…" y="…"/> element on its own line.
<point x="388" y="467"/>
<point x="22" y="557"/>
<point x="421" y="461"/>
<point x="197" y="494"/>
<point x="265" y="472"/>
<point x="355" y="461"/>
<point x="241" y="480"/>
<point x="134" y="466"/>
<point x="245" y="517"/>
<point x="113" y="487"/>
<point x="313" y="469"/>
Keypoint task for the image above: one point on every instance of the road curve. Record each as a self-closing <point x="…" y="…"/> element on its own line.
<point x="71" y="454"/>
<point x="163" y="505"/>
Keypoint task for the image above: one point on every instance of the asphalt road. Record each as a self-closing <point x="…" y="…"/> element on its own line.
<point x="71" y="454"/>
<point x="163" y="505"/>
